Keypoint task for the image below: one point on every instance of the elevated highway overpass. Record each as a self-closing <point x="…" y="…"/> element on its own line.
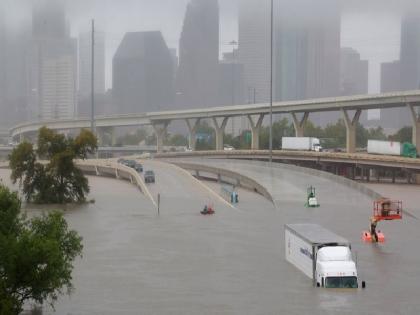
<point x="350" y="107"/>
<point x="352" y="165"/>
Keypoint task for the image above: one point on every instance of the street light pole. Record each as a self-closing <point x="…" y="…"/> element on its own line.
<point x="92" y="113"/>
<point x="271" y="80"/>
<point x="233" y="43"/>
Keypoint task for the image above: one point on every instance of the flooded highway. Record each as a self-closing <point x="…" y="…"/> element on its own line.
<point x="136" y="262"/>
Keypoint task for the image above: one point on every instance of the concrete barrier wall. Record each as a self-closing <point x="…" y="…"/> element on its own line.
<point x="252" y="184"/>
<point x="116" y="170"/>
<point x="109" y="169"/>
<point x="335" y="178"/>
<point x="238" y="179"/>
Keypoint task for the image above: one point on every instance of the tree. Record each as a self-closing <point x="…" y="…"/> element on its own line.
<point x="335" y="135"/>
<point x="206" y="137"/>
<point x="281" y="128"/>
<point x="313" y="131"/>
<point x="177" y="140"/>
<point x="37" y="256"/>
<point x="405" y="134"/>
<point x="133" y="138"/>
<point x="58" y="181"/>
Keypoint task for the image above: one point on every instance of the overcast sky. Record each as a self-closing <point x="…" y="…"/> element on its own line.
<point x="370" y="26"/>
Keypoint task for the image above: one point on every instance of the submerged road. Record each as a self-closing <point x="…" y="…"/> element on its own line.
<point x="180" y="262"/>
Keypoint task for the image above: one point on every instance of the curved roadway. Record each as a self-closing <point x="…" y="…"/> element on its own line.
<point x="233" y="262"/>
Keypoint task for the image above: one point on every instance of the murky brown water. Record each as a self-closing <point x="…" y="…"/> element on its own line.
<point x="232" y="263"/>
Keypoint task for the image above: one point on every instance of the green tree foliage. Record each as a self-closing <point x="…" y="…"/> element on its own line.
<point x="405" y="134"/>
<point x="37" y="255"/>
<point x="208" y="140"/>
<point x="58" y="181"/>
<point x="313" y="131"/>
<point x="133" y="138"/>
<point x="281" y="128"/>
<point x="177" y="140"/>
<point x="242" y="142"/>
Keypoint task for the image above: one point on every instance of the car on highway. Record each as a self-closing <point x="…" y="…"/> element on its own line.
<point x="121" y="161"/>
<point x="139" y="168"/>
<point x="149" y="176"/>
<point x="130" y="163"/>
<point x="228" y="148"/>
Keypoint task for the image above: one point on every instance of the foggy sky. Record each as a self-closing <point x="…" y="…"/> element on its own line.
<point x="370" y="26"/>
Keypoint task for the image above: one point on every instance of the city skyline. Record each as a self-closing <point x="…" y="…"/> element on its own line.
<point x="371" y="29"/>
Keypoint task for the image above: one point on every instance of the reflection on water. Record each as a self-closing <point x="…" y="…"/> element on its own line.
<point x="232" y="263"/>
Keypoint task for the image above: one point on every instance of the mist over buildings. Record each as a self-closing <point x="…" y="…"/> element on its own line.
<point x="212" y="53"/>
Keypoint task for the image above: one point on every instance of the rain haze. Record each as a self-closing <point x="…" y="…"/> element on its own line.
<point x="192" y="133"/>
<point x="369" y="31"/>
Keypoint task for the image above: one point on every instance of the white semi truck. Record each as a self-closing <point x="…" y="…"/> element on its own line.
<point x="301" y="143"/>
<point x="321" y="255"/>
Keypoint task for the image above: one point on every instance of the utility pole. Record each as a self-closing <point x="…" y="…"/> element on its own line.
<point x="233" y="62"/>
<point x="271" y="81"/>
<point x="92" y="113"/>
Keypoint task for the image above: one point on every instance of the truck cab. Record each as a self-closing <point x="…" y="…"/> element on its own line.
<point x="316" y="145"/>
<point x="335" y="268"/>
<point x="322" y="255"/>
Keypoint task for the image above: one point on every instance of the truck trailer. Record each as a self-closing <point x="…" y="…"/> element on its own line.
<point x="320" y="254"/>
<point x="391" y="148"/>
<point x="301" y="143"/>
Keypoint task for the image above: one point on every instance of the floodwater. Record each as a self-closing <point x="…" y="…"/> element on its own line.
<point x="136" y="262"/>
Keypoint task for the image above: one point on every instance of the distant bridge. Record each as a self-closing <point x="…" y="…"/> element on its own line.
<point x="350" y="107"/>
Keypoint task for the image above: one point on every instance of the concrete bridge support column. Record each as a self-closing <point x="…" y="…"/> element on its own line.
<point x="113" y="136"/>
<point x="100" y="135"/>
<point x="255" y="129"/>
<point x="299" y="124"/>
<point x="192" y="127"/>
<point x="416" y="126"/>
<point x="351" y="125"/>
<point x="160" y="132"/>
<point x="220" y="131"/>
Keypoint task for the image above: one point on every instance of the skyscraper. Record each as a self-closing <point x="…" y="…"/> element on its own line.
<point x="307" y="49"/>
<point x="354" y="73"/>
<point x="392" y="118"/>
<point x="390" y="76"/>
<point x="197" y="77"/>
<point x="13" y="104"/>
<point x="410" y="51"/>
<point x="3" y="62"/>
<point x="254" y="46"/>
<point x="143" y="76"/>
<point x="52" y="59"/>
<point x="49" y="19"/>
<point x="85" y="72"/>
